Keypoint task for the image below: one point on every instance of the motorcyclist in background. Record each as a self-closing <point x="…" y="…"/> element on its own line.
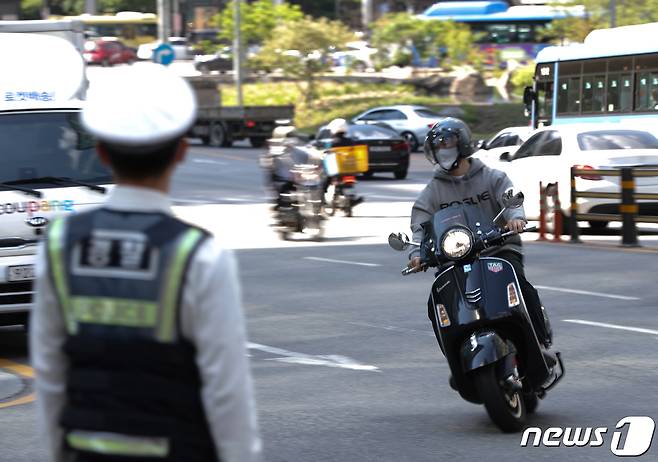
<point x="460" y="180"/>
<point x="339" y="138"/>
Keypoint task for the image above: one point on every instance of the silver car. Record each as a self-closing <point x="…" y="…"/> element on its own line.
<point x="412" y="122"/>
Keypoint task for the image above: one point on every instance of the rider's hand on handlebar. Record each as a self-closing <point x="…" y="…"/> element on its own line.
<point x="416" y="264"/>
<point x="516" y="225"/>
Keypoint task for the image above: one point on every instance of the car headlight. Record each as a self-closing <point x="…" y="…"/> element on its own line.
<point x="456" y="243"/>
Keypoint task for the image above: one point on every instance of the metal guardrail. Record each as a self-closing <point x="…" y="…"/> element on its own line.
<point x="628" y="208"/>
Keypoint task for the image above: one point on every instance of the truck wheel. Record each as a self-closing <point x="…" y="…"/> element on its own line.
<point x="257" y="141"/>
<point x="218" y="136"/>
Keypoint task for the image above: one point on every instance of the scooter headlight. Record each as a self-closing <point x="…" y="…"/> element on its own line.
<point x="456" y="243"/>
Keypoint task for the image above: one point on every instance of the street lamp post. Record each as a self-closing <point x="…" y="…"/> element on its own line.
<point x="164" y="20"/>
<point x="613" y="13"/>
<point x="237" y="52"/>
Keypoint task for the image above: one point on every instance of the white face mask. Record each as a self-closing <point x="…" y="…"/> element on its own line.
<point x="447" y="157"/>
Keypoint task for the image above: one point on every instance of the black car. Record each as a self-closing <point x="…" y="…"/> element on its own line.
<point x="217" y="62"/>
<point x="387" y="150"/>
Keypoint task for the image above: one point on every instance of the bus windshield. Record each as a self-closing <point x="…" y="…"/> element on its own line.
<point x="53" y="144"/>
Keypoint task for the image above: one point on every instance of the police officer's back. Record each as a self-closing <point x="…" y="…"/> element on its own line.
<point x="137" y="334"/>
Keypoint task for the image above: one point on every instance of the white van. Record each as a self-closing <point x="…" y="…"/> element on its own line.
<point x="48" y="165"/>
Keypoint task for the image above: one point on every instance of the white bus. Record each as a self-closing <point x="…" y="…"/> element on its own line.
<point x="611" y="77"/>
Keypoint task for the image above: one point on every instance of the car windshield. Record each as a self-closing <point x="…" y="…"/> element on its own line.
<point x="616" y="139"/>
<point x="37" y="144"/>
<point x="426" y="113"/>
<point x="371" y="132"/>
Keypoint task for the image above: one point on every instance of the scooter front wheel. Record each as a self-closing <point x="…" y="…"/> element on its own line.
<point x="506" y="408"/>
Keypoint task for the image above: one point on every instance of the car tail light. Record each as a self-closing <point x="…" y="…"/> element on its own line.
<point x="588" y="177"/>
<point x="349" y="179"/>
<point x="250" y="124"/>
<point x="403" y="146"/>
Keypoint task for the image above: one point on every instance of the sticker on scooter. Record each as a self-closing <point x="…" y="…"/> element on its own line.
<point x="495" y="267"/>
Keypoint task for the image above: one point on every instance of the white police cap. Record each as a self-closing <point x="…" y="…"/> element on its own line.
<point x="141" y="105"/>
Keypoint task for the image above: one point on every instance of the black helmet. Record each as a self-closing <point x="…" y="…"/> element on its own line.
<point x="447" y="134"/>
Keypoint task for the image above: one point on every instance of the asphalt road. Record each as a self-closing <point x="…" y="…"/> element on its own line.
<point x="345" y="363"/>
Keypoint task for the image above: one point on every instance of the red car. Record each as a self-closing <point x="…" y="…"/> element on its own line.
<point x="108" y="52"/>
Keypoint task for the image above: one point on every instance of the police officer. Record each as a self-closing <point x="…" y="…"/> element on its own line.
<point x="137" y="333"/>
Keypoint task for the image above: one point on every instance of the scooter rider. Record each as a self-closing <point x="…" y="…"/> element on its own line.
<point x="457" y="180"/>
<point x="339" y="138"/>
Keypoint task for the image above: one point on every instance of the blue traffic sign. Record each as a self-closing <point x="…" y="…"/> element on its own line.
<point x="163" y="54"/>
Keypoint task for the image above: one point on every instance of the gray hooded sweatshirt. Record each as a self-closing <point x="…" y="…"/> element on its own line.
<point x="482" y="186"/>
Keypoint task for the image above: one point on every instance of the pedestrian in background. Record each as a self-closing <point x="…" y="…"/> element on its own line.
<point x="137" y="333"/>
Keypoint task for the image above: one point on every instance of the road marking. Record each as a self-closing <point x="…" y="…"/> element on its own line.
<point x="16" y="368"/>
<point x="22" y="400"/>
<point x="292" y="357"/>
<point x="22" y="371"/>
<point x="585" y="292"/>
<point x="391" y="328"/>
<point x="345" y="262"/>
<point x="612" y="326"/>
<point x="208" y="161"/>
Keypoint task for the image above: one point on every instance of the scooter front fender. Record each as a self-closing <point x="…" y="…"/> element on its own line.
<point x="483" y="348"/>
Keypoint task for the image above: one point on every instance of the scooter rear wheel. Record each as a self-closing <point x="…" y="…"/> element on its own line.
<point x="506" y="409"/>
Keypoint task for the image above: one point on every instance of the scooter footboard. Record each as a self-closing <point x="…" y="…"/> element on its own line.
<point x="482" y="348"/>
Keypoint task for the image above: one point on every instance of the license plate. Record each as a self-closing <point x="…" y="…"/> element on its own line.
<point x="20" y="273"/>
<point x="380" y="148"/>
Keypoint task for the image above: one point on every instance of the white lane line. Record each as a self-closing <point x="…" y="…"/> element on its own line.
<point x="585" y="292"/>
<point x="391" y="328"/>
<point x="345" y="262"/>
<point x="292" y="357"/>
<point x="612" y="326"/>
<point x="209" y="161"/>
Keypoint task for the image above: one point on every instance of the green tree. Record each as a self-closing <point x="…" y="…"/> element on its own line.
<point x="395" y="35"/>
<point x="597" y="16"/>
<point x="300" y="50"/>
<point x="258" y="19"/>
<point x="31" y="9"/>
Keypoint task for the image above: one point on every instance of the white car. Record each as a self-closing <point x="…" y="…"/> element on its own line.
<point x="550" y="152"/>
<point x="508" y="140"/>
<point x="412" y="122"/>
<point x="179" y="44"/>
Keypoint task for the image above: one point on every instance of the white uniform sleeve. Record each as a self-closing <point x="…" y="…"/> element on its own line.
<point x="47" y="336"/>
<point x="213" y="321"/>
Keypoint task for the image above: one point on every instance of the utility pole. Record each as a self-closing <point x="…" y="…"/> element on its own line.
<point x="164" y="20"/>
<point x="90" y="6"/>
<point x="366" y="13"/>
<point x="45" y="9"/>
<point x="613" y="13"/>
<point x="237" y="52"/>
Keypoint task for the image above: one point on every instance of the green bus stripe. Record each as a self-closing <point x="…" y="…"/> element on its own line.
<point x="173" y="283"/>
<point x="56" y="251"/>
<point x="120" y="445"/>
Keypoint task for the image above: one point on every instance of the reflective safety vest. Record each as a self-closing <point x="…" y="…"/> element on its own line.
<point x="133" y="387"/>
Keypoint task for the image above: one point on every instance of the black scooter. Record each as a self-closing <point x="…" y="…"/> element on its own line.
<point x="480" y="318"/>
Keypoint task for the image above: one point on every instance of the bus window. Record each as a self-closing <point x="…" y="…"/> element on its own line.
<point x="568" y="97"/>
<point x="619" y="96"/>
<point x="525" y="33"/>
<point x="642" y="91"/>
<point x="598" y="97"/>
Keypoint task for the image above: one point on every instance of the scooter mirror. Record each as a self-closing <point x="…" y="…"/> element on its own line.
<point x="398" y="241"/>
<point x="511" y="200"/>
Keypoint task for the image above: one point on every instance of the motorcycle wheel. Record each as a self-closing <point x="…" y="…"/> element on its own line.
<point x="348" y="211"/>
<point x="506" y="410"/>
<point x="531" y="403"/>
